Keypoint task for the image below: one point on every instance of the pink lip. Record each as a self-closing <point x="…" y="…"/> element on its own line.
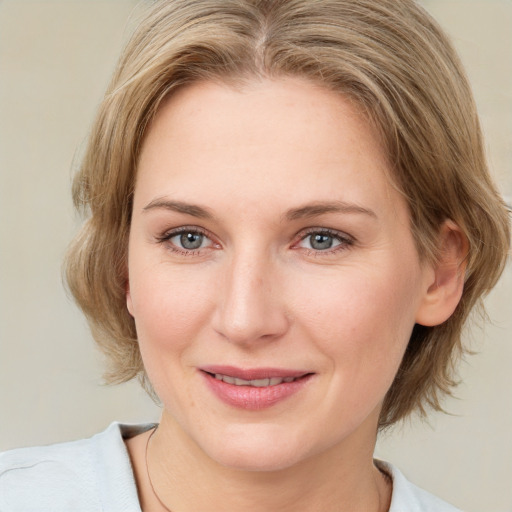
<point x="249" y="397"/>
<point x="253" y="373"/>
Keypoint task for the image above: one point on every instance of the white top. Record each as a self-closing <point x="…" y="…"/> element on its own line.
<point x="93" y="475"/>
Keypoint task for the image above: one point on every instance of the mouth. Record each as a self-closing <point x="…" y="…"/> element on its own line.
<point x="254" y="389"/>
<point x="257" y="383"/>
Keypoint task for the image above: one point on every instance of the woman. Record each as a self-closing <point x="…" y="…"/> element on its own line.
<point x="290" y="219"/>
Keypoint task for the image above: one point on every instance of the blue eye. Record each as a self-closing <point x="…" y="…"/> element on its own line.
<point x="321" y="241"/>
<point x="324" y="241"/>
<point x="188" y="240"/>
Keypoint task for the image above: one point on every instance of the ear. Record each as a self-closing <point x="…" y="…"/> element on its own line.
<point x="445" y="278"/>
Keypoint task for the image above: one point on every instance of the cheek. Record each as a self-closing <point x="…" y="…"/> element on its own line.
<point x="362" y="325"/>
<point x="170" y="307"/>
<point x="170" y="310"/>
<point x="362" y="318"/>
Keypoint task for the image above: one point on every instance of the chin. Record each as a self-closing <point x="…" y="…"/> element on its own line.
<point x="246" y="448"/>
<point x="257" y="460"/>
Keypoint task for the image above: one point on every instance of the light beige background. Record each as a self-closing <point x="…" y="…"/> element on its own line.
<point x="55" y="60"/>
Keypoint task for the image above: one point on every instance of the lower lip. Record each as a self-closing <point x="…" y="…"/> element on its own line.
<point x="252" y="398"/>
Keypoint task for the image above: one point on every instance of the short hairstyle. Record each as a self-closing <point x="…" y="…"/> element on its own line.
<point x="391" y="59"/>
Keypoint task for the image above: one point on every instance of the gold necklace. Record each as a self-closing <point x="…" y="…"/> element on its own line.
<point x="149" y="476"/>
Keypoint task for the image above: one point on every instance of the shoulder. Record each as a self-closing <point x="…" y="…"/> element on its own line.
<point x="87" y="475"/>
<point x="407" y="497"/>
<point x="49" y="476"/>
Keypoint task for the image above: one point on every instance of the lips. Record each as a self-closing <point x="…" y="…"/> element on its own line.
<point x="257" y="383"/>
<point x="253" y="373"/>
<point x="253" y="389"/>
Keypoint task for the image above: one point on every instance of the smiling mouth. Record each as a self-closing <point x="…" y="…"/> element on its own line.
<point x="257" y="383"/>
<point x="254" y="389"/>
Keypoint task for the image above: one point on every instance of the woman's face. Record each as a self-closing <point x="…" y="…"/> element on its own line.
<point x="268" y="246"/>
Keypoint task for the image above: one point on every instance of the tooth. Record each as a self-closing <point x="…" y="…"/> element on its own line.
<point x="260" y="383"/>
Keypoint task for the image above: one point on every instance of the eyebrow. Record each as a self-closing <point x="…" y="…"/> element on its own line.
<point x="307" y="211"/>
<point x="320" y="208"/>
<point x="178" y="206"/>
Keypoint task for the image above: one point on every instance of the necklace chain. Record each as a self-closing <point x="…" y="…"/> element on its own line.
<point x="384" y="473"/>
<point x="149" y="476"/>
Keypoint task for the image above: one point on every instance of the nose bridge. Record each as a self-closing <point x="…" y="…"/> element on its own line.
<point x="250" y="307"/>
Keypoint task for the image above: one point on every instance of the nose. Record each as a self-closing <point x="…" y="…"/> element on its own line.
<point x="250" y="307"/>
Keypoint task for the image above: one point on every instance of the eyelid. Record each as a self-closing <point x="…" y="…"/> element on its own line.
<point x="166" y="236"/>
<point x="345" y="239"/>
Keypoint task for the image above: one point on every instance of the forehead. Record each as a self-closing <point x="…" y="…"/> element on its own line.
<point x="268" y="138"/>
<point x="262" y="107"/>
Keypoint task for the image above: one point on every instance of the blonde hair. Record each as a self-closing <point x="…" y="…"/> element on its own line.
<point x="391" y="58"/>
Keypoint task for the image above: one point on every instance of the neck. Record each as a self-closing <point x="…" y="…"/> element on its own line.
<point x="340" y="479"/>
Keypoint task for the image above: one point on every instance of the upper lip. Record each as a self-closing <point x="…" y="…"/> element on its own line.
<point x="253" y="373"/>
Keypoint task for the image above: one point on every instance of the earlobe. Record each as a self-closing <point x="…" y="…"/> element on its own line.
<point x="445" y="280"/>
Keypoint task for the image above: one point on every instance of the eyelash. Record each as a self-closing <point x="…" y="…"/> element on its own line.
<point x="166" y="237"/>
<point x="345" y="241"/>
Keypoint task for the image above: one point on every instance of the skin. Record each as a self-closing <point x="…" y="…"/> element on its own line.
<point x="269" y="165"/>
